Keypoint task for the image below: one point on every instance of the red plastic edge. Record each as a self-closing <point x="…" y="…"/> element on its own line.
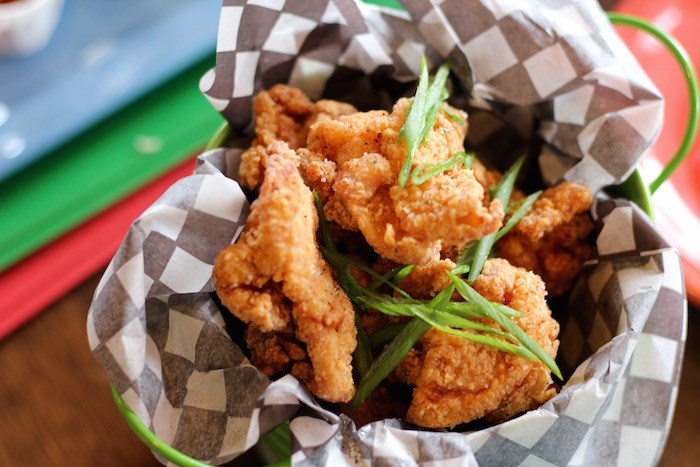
<point x="34" y="283"/>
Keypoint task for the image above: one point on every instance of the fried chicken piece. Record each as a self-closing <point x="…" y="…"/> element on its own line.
<point x="382" y="405"/>
<point x="556" y="206"/>
<point x="272" y="352"/>
<point x="274" y="276"/>
<point x="279" y="353"/>
<point x="424" y="282"/>
<point x="487" y="178"/>
<point x="283" y="113"/>
<point x="456" y="381"/>
<point x="408" y="225"/>
<point x="552" y="240"/>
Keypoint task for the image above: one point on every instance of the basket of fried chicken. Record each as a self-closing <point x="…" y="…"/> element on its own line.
<point x="405" y="247"/>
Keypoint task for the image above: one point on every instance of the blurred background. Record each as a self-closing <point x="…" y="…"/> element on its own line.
<point x="100" y="112"/>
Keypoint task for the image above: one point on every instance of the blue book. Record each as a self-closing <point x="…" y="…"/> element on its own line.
<point x="104" y="54"/>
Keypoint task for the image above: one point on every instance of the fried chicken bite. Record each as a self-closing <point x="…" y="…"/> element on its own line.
<point x="552" y="240"/>
<point x="424" y="282"/>
<point x="275" y="278"/>
<point x="279" y="353"/>
<point x="283" y="113"/>
<point x="409" y="225"/>
<point x="456" y="381"/>
<point x="274" y="353"/>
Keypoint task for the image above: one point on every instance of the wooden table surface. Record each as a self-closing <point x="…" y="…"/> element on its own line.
<point x="56" y="409"/>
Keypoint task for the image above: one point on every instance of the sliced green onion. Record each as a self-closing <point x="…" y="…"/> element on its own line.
<point x="477" y="255"/>
<point x="524" y="207"/>
<point x="403" y="273"/>
<point x="390" y="358"/>
<point x="510" y="326"/>
<point x="470" y="311"/>
<point x="442" y="298"/>
<point x="392" y="355"/>
<point x="497" y="344"/>
<point x="437" y="94"/>
<point x="395" y="276"/>
<point x="455" y="118"/>
<point x="422" y="114"/>
<point x="325" y="231"/>
<point x="395" y="352"/>
<point x="383" y="336"/>
<point x="423" y="172"/>
<point x="340" y="263"/>
<point x="435" y="315"/>
<point x="362" y="356"/>
<point x="465" y="310"/>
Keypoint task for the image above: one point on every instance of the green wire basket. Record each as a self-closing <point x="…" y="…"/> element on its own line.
<point x="275" y="447"/>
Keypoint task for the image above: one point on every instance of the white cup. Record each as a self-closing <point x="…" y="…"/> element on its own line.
<point x="27" y="25"/>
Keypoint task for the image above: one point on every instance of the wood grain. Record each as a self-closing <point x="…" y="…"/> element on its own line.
<point x="56" y="409"/>
<point x="55" y="404"/>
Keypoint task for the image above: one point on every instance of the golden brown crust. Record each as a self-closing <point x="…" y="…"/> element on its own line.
<point x="552" y="240"/>
<point x="457" y="381"/>
<point x="424" y="282"/>
<point x="301" y="321"/>
<point x="276" y="266"/>
<point x="273" y="353"/>
<point x="283" y="113"/>
<point x="408" y="225"/>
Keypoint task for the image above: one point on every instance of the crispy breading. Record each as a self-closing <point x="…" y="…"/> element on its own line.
<point x="273" y="353"/>
<point x="274" y="276"/>
<point x="278" y="353"/>
<point x="425" y="282"/>
<point x="487" y="178"/>
<point x="552" y="240"/>
<point x="556" y="206"/>
<point x="283" y="113"/>
<point x="456" y="381"/>
<point x="409" y="225"/>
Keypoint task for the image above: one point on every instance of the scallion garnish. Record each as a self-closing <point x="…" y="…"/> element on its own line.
<point x="422" y="114"/>
<point x="523" y="208"/>
<point x="468" y="293"/>
<point x="456" y="318"/>
<point x="384" y="335"/>
<point x="451" y="116"/>
<point x="362" y="356"/>
<point x="390" y="358"/>
<point x="478" y="252"/>
<point x="427" y="170"/>
<point x="396" y="275"/>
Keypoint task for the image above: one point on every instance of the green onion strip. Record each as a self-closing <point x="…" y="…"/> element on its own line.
<point x="478" y="252"/>
<point x="423" y="172"/>
<point x="422" y="114"/>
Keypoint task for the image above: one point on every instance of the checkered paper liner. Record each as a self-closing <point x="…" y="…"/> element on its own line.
<point x="155" y="328"/>
<point x="556" y="65"/>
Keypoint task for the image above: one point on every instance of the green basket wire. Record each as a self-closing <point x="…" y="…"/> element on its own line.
<point x="275" y="448"/>
<point x="686" y="64"/>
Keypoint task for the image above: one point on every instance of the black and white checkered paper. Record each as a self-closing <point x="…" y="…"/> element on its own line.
<point x="157" y="332"/>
